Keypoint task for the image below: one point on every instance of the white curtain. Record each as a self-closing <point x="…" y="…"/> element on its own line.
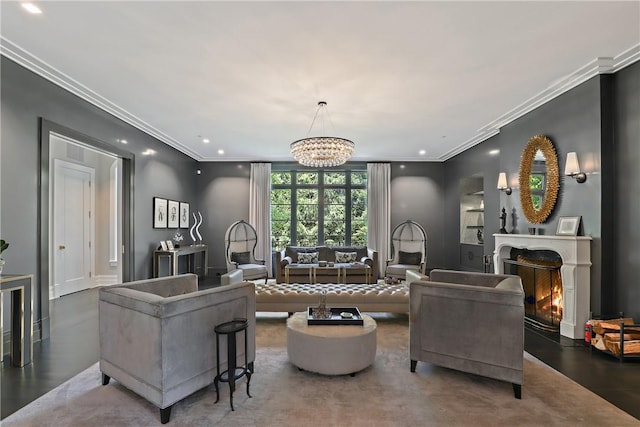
<point x="379" y="210"/>
<point x="260" y="209"/>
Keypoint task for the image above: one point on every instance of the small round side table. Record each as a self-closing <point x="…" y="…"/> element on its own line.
<point x="233" y="372"/>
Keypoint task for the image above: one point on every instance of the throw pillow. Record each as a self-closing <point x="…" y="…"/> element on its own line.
<point x="410" y="258"/>
<point x="344" y="257"/>
<point x="241" y="257"/>
<point x="308" y="258"/>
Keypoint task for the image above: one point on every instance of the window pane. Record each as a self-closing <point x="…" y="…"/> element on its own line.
<point x="334" y="233"/>
<point x="332" y="178"/>
<point x="281" y="196"/>
<point x="281" y="177"/>
<point x="307" y="178"/>
<point x="359" y="204"/>
<point x="358" y="178"/>
<point x="358" y="233"/>
<point x="281" y="234"/>
<point x="307" y="214"/>
<point x="307" y="196"/>
<point x="334" y="196"/>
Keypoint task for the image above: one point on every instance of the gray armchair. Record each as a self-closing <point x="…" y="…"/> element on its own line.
<point x="471" y="322"/>
<point x="240" y="245"/>
<point x="157" y="337"/>
<point x="408" y="249"/>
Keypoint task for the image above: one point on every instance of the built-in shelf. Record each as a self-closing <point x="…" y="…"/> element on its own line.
<point x="475" y="226"/>
<point x="477" y="193"/>
<point x="476" y="210"/>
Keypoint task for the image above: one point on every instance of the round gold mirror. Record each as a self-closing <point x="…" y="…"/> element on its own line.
<point x="539" y="179"/>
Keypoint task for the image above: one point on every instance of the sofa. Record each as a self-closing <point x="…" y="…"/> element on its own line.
<point x="157" y="337"/>
<point x="471" y="322"/>
<point x="348" y="259"/>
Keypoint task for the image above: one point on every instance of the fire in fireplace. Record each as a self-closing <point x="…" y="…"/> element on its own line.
<point x="542" y="283"/>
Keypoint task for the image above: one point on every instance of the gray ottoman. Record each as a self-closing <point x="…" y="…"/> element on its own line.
<point x="331" y="350"/>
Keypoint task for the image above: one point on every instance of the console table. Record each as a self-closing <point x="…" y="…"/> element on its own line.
<point x="21" y="288"/>
<point x="174" y="256"/>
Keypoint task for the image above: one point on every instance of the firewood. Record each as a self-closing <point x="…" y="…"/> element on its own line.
<point x="598" y="342"/>
<point x="632" y="347"/>
<point x="615" y="336"/>
<point x="602" y="326"/>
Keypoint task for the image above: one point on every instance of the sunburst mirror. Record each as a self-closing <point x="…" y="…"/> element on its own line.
<point x="539" y="179"/>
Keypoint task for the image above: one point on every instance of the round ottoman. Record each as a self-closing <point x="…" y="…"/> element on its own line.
<point x="328" y="349"/>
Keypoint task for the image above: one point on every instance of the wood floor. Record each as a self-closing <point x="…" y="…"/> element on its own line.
<point x="73" y="347"/>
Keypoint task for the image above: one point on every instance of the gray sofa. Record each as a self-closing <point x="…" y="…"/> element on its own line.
<point x="472" y="322"/>
<point x="364" y="255"/>
<point x="157" y="338"/>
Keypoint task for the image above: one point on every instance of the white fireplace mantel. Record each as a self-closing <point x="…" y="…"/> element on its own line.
<point x="575" y="252"/>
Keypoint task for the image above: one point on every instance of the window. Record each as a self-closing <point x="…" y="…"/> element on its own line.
<point x="316" y="207"/>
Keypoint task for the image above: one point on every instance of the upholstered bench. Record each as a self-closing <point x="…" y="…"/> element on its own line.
<point x="370" y="297"/>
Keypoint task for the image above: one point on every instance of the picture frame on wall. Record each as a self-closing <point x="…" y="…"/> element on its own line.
<point x="173" y="214"/>
<point x="159" y="212"/>
<point x="568" y="225"/>
<point x="184" y="215"/>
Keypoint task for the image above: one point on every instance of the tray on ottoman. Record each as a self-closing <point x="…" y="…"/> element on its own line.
<point x="336" y="317"/>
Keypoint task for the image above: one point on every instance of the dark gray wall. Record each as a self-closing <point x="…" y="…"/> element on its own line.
<point x="224" y="199"/>
<point x="25" y="98"/>
<point x="626" y="211"/>
<point x="417" y="193"/>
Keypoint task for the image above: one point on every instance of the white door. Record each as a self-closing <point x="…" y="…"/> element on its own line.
<point x="72" y="227"/>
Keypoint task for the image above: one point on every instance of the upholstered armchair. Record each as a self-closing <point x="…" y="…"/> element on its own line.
<point x="408" y="249"/>
<point x="240" y="245"/>
<point x="471" y="322"/>
<point x="157" y="337"/>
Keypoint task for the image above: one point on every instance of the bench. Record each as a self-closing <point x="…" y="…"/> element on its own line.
<point x="295" y="297"/>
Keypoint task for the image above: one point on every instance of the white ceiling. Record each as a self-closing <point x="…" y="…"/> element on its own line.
<point x="398" y="77"/>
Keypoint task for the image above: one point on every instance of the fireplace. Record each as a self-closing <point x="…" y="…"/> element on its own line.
<point x="542" y="283"/>
<point x="575" y="255"/>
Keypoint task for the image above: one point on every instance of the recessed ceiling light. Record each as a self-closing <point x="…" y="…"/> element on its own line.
<point x="206" y="140"/>
<point x="494" y="152"/>
<point x="221" y="151"/>
<point x="422" y="152"/>
<point x="401" y="166"/>
<point x="148" y="152"/>
<point x="122" y="141"/>
<point x="31" y="8"/>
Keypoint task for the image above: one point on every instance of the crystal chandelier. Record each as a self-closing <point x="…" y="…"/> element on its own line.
<point x="321" y="151"/>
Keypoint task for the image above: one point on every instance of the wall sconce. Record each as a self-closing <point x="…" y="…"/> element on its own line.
<point x="572" y="168"/>
<point x="502" y="183"/>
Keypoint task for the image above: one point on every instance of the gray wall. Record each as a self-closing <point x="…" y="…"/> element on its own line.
<point x="626" y="207"/>
<point x="417" y="193"/>
<point x="27" y="97"/>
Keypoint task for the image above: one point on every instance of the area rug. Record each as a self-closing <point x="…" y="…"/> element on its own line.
<point x="385" y="394"/>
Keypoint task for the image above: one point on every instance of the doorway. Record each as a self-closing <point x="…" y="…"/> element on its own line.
<point x="96" y="179"/>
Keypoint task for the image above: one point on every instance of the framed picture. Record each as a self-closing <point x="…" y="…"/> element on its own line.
<point x="163" y="245"/>
<point x="568" y="226"/>
<point x="184" y="215"/>
<point x="170" y="245"/>
<point x="159" y="212"/>
<point x="173" y="214"/>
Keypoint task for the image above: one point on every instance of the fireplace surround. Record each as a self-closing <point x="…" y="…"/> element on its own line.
<point x="575" y="271"/>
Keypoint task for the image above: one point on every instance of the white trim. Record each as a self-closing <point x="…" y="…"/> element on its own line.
<point x="105" y="280"/>
<point x="601" y="65"/>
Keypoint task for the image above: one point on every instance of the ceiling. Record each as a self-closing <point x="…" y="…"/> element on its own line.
<point x="398" y="77"/>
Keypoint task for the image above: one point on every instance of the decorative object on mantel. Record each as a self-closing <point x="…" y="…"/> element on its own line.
<point x="479" y="236"/>
<point x="568" y="225"/>
<point x="177" y="239"/>
<point x="540" y="150"/>
<point x="503" y="222"/>
<point x="322" y="151"/>
<point x="3" y="246"/>
<point x="502" y="184"/>
<point x="572" y="168"/>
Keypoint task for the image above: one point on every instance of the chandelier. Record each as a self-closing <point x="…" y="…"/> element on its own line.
<point x="321" y="151"/>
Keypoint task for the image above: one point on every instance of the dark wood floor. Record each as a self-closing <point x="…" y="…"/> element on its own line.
<point x="73" y="347"/>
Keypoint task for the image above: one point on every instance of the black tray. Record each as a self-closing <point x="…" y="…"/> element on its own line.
<point x="336" y="319"/>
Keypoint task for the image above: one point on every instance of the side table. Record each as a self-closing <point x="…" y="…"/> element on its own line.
<point x="233" y="372"/>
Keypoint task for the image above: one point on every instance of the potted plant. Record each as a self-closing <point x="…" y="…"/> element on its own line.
<point x="3" y="245"/>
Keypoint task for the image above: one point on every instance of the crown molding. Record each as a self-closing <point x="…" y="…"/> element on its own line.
<point x="602" y="65"/>
<point x="57" y="77"/>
